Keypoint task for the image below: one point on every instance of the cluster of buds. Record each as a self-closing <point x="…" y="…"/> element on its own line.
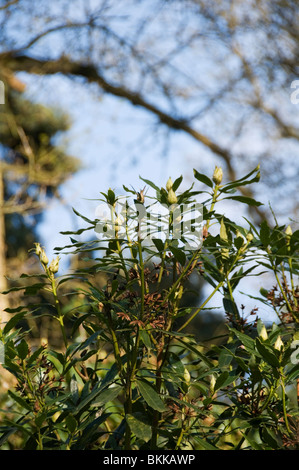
<point x="40" y="252"/>
<point x="53" y="266"/>
<point x="171" y="197"/>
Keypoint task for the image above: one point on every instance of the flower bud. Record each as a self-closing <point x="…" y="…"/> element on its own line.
<point x="54" y="265"/>
<point x="278" y="344"/>
<point x="263" y="333"/>
<point x="169" y="184"/>
<point x="171" y="198"/>
<point x="249" y="237"/>
<point x="289" y="231"/>
<point x="223" y="232"/>
<point x="187" y="376"/>
<point x="43" y="257"/>
<point x="38" y="249"/>
<point x="212" y="384"/>
<point x="217" y="176"/>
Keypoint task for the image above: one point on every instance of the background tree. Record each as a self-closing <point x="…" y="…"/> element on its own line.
<point x="32" y="169"/>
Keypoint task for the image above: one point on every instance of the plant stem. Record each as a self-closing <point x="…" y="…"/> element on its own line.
<point x="141" y="279"/>
<point x="202" y="306"/>
<point x="284" y="405"/>
<point x="58" y="308"/>
<point x="162" y="263"/>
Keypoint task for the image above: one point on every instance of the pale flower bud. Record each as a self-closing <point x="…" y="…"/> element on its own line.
<point x="38" y="249"/>
<point x="43" y="257"/>
<point x="278" y="344"/>
<point x="171" y="198"/>
<point x="249" y="237"/>
<point x="289" y="231"/>
<point x="263" y="333"/>
<point x="212" y="384"/>
<point x="54" y="265"/>
<point x="187" y="376"/>
<point x="169" y="184"/>
<point x="217" y="176"/>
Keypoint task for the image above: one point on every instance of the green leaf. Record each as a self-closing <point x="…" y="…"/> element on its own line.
<point x="243" y="181"/>
<point x="39" y="419"/>
<point x="245" y="200"/>
<point x="239" y="242"/>
<point x="71" y="423"/>
<point x="269" y="437"/>
<point x="159" y="244"/>
<point x="138" y="426"/>
<point x="223" y="232"/>
<point x="108" y="395"/>
<point x="111" y="197"/>
<point x="150" y="395"/>
<point x="203" y="178"/>
<point x="221" y="380"/>
<point x="177" y="183"/>
<point x="150" y="183"/>
<point x="205" y="445"/>
<point x="12" y="322"/>
<point x="264" y="292"/>
<point x="145" y="338"/>
<point x="20" y="400"/>
<point x="265" y="233"/>
<point x="179" y="255"/>
<point x="266" y="353"/>
<point x="128" y="190"/>
<point x="82" y="217"/>
<point x="34" y="356"/>
<point x="246" y="340"/>
<point x="22" y="349"/>
<point x="230" y="307"/>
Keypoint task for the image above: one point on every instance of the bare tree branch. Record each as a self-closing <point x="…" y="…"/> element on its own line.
<point x="67" y="67"/>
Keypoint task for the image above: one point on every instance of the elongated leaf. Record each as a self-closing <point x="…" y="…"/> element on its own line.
<point x="230" y="307"/>
<point x="150" y="183"/>
<point x="246" y="340"/>
<point x="177" y="183"/>
<point x="265" y="233"/>
<point x="267" y="354"/>
<point x="221" y="380"/>
<point x="179" y="255"/>
<point x="22" y="349"/>
<point x="244" y="180"/>
<point x="238" y="183"/>
<point x="203" y="178"/>
<point x="159" y="244"/>
<point x="12" y="322"/>
<point x="150" y="395"/>
<point x="109" y="394"/>
<point x="138" y="426"/>
<point x="19" y="400"/>
<point x="83" y="217"/>
<point x="245" y="200"/>
<point x="205" y="445"/>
